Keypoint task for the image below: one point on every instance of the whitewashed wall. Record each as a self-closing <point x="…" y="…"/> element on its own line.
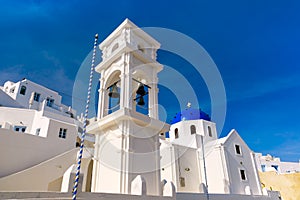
<point x="244" y="161"/>
<point x="30" y="87"/>
<point x="20" y="151"/>
<point x="91" y="196"/>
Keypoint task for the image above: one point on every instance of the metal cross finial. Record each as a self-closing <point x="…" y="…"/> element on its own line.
<point x="189" y="105"/>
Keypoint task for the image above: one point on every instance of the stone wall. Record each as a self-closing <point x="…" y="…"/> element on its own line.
<point x="287" y="184"/>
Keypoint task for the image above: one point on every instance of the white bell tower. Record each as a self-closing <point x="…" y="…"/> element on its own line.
<point x="127" y="127"/>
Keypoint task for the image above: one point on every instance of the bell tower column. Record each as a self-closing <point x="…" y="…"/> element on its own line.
<point x="153" y="99"/>
<point x="125" y="77"/>
<point x="102" y="93"/>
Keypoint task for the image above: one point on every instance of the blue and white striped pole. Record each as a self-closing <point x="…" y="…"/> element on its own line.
<point x="85" y="121"/>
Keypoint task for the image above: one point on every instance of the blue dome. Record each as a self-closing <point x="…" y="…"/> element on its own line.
<point x="190" y="114"/>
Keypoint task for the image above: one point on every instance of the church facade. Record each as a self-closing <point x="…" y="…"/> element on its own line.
<point x="201" y="162"/>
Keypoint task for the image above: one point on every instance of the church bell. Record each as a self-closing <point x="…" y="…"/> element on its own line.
<point x="114" y="92"/>
<point x="141" y="90"/>
<point x="141" y="101"/>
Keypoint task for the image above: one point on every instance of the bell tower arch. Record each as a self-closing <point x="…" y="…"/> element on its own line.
<point x="132" y="52"/>
<point x="127" y="127"/>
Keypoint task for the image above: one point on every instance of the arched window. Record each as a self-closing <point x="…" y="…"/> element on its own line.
<point x="209" y="131"/>
<point x="23" y="90"/>
<point x="193" y="129"/>
<point x="176" y="133"/>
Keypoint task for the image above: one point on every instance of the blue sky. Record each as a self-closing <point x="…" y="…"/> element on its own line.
<point x="255" y="45"/>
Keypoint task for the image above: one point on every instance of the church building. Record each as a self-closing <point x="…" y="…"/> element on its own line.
<point x="133" y="146"/>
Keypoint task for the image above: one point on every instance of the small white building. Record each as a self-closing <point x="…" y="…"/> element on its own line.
<point x="35" y="127"/>
<point x="271" y="163"/>
<point x="195" y="160"/>
<point x="28" y="94"/>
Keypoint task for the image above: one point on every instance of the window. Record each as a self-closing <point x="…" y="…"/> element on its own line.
<point x="36" y="97"/>
<point x="263" y="168"/>
<point x="167" y="135"/>
<point x="238" y="150"/>
<point x="77" y="144"/>
<point x="62" y="133"/>
<point x="209" y="131"/>
<point x="243" y="174"/>
<point x="23" y="90"/>
<point x="49" y="102"/>
<point x="176" y="133"/>
<point x="37" y="131"/>
<point x="193" y="129"/>
<point x="182" y="181"/>
<point x="20" y="129"/>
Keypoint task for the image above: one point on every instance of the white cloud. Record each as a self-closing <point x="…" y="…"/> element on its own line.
<point x="261" y="87"/>
<point x="56" y="62"/>
<point x="287" y="151"/>
<point x="13" y="73"/>
<point x="54" y="78"/>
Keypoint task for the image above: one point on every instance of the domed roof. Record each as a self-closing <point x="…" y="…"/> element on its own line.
<point x="190" y="114"/>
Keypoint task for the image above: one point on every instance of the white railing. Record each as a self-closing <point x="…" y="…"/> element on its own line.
<point x="59" y="109"/>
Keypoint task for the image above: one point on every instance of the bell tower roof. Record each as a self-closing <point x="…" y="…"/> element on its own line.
<point x="130" y="25"/>
<point x="128" y="38"/>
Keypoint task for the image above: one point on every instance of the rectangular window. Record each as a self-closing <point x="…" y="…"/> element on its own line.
<point x="263" y="168"/>
<point x="49" y="102"/>
<point x="209" y="131"/>
<point x="62" y="133"/>
<point x="36" y="97"/>
<point x="37" y="131"/>
<point x="238" y="150"/>
<point x="167" y="135"/>
<point x="182" y="181"/>
<point x="243" y="174"/>
<point x="23" y="90"/>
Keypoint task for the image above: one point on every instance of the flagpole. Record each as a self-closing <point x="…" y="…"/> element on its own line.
<point x="75" y="187"/>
